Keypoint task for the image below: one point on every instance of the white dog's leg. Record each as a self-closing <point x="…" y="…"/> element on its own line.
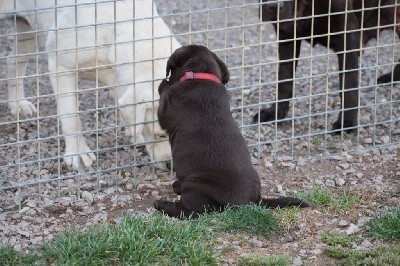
<point x="133" y="114"/>
<point x="76" y="149"/>
<point x="16" y="67"/>
<point x="157" y="149"/>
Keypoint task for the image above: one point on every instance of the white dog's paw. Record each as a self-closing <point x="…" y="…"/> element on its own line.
<point x="160" y="153"/>
<point x="24" y="107"/>
<point x="76" y="158"/>
<point x="134" y="136"/>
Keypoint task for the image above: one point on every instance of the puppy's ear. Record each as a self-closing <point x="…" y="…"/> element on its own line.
<point x="178" y="58"/>
<point x="170" y="67"/>
<point x="163" y="85"/>
<point x="224" y="70"/>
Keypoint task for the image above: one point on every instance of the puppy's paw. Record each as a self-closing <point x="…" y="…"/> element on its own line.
<point x="386" y="78"/>
<point x="391" y="76"/>
<point x="269" y="114"/>
<point x="162" y="205"/>
<point x="337" y="127"/>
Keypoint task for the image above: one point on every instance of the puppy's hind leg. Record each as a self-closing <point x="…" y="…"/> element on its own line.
<point x="16" y="67"/>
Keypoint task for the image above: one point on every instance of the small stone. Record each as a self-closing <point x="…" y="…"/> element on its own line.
<point x="246" y="92"/>
<point x="316" y="251"/>
<point x="36" y="240"/>
<point x="124" y="198"/>
<point x="100" y="217"/>
<point x="367" y="244"/>
<point x="293" y="245"/>
<point x="24" y="233"/>
<point x="385" y="139"/>
<point x="24" y="210"/>
<point x="330" y="183"/>
<point x="301" y="161"/>
<point x="88" y="210"/>
<point x="88" y="197"/>
<point x="256" y="243"/>
<point x="282" y="193"/>
<point x="287" y="158"/>
<point x="352" y="229"/>
<point x="268" y="165"/>
<point x="278" y="188"/>
<point x="288" y="239"/>
<point x="378" y="178"/>
<point x="362" y="221"/>
<point x="65" y="200"/>
<point x="343" y="223"/>
<point x="368" y="141"/>
<point x="337" y="157"/>
<point x="348" y="143"/>
<point x="129" y="186"/>
<point x="69" y="211"/>
<point x="334" y="222"/>
<point x="340" y="182"/>
<point x="297" y="261"/>
<point x="344" y="165"/>
<point x="110" y="190"/>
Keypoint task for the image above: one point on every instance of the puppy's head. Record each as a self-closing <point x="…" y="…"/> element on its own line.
<point x="196" y="58"/>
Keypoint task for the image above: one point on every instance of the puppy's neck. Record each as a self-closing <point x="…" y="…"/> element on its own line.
<point x="205" y="76"/>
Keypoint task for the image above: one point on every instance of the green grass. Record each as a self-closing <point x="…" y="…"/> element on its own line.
<point x="320" y="197"/>
<point x="253" y="219"/>
<point x="345" y="201"/>
<point x="136" y="241"/>
<point x="385" y="226"/>
<point x="287" y="217"/>
<point x="254" y="260"/>
<point x="146" y="240"/>
<point x="335" y="238"/>
<point x="9" y="256"/>
<point x="339" y="246"/>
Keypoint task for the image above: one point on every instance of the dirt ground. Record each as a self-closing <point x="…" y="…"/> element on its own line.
<point x="296" y="155"/>
<point x="372" y="177"/>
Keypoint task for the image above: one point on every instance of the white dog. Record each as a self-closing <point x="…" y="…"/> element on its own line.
<point x="121" y="43"/>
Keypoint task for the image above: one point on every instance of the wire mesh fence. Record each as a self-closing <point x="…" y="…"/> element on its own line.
<point x="102" y="130"/>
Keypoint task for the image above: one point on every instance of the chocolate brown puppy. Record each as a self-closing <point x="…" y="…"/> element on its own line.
<point x="211" y="159"/>
<point x="345" y="30"/>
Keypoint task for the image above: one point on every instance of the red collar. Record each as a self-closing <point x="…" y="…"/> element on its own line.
<point x="192" y="75"/>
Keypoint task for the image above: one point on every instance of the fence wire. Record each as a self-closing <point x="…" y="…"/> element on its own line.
<point x="33" y="142"/>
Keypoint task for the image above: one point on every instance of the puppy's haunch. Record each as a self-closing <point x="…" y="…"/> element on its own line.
<point x="211" y="159"/>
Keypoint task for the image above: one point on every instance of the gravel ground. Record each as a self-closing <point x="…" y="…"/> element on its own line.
<point x="297" y="154"/>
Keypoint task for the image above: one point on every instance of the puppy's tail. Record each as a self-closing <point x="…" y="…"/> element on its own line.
<point x="284" y="202"/>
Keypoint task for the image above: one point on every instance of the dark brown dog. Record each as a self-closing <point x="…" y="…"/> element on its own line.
<point x="346" y="45"/>
<point x="211" y="159"/>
